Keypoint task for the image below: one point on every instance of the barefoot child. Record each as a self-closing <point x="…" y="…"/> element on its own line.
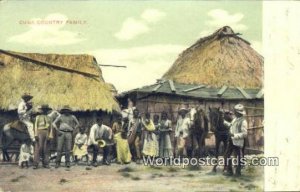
<point x="26" y="153"/>
<point x="80" y="145"/>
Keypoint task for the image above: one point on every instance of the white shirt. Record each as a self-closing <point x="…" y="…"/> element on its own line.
<point x="25" y="153"/>
<point x="22" y="108"/>
<point x="128" y="113"/>
<point x="81" y="138"/>
<point x="97" y="132"/>
<point x="183" y="126"/>
<point x="166" y="124"/>
<point x="239" y="130"/>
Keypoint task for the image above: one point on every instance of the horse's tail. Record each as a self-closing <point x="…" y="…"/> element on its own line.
<point x="3" y="139"/>
<point x="1" y="136"/>
<point x="2" y="133"/>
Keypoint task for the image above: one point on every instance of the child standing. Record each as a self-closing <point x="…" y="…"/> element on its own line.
<point x="80" y="145"/>
<point x="26" y="153"/>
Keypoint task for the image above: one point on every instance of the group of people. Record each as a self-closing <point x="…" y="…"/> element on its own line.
<point x="129" y="138"/>
<point x="149" y="137"/>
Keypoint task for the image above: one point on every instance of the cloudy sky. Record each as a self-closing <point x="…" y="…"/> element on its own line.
<point x="146" y="36"/>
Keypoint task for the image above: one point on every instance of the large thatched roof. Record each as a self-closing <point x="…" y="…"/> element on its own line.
<point x="54" y="79"/>
<point x="222" y="58"/>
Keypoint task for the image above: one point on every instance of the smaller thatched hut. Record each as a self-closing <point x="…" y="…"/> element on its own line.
<point x="57" y="80"/>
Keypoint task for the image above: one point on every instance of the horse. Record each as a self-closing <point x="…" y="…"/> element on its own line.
<point x="220" y="131"/>
<point x="17" y="131"/>
<point x="198" y="131"/>
<point x="9" y="135"/>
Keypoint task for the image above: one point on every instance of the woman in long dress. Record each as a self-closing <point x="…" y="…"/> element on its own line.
<point x="120" y="136"/>
<point x="150" y="147"/>
<point x="165" y="145"/>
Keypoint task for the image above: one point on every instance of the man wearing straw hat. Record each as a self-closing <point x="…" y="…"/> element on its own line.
<point x="24" y="113"/>
<point x="65" y="125"/>
<point x="182" y="132"/>
<point x="238" y="132"/>
<point x="43" y="134"/>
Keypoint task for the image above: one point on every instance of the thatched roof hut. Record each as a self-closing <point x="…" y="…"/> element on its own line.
<point x="222" y="58"/>
<point x="55" y="79"/>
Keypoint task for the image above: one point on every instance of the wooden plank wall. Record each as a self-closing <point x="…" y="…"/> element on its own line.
<point x="254" y="110"/>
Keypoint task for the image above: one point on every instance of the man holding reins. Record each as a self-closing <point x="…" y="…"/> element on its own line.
<point x="238" y="133"/>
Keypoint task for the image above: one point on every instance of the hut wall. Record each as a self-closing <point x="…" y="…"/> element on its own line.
<point x="155" y="104"/>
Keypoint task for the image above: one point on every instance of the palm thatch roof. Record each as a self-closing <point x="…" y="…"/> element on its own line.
<point x="54" y="79"/>
<point x="112" y="89"/>
<point x="222" y="58"/>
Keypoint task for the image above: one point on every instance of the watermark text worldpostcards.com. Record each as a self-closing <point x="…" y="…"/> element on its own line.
<point x="210" y="161"/>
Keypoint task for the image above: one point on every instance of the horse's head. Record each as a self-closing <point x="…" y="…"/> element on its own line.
<point x="216" y="117"/>
<point x="228" y="116"/>
<point x="200" y="119"/>
<point x="192" y="112"/>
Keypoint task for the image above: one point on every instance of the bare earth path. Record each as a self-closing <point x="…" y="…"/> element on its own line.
<point x="132" y="178"/>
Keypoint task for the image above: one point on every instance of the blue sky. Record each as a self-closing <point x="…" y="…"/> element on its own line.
<point x="146" y="36"/>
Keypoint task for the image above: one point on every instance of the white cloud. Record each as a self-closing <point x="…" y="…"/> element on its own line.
<point x="152" y="15"/>
<point x="133" y="27"/>
<point x="47" y="34"/>
<point x="220" y="18"/>
<point x="144" y="64"/>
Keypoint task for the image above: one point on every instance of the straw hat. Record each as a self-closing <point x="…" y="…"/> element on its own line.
<point x="27" y="96"/>
<point x="66" y="108"/>
<point x="45" y="107"/>
<point x="182" y="110"/>
<point x="239" y="108"/>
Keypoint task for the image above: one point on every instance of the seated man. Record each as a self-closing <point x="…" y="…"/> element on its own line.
<point x="98" y="132"/>
<point x="24" y="113"/>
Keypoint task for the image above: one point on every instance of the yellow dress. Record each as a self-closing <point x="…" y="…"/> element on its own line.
<point x="150" y="147"/>
<point x="80" y="139"/>
<point x="80" y="152"/>
<point x="123" y="151"/>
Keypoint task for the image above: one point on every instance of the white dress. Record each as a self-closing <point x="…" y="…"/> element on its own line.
<point x="26" y="152"/>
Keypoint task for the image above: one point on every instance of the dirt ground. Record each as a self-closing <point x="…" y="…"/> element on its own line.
<point x="131" y="177"/>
